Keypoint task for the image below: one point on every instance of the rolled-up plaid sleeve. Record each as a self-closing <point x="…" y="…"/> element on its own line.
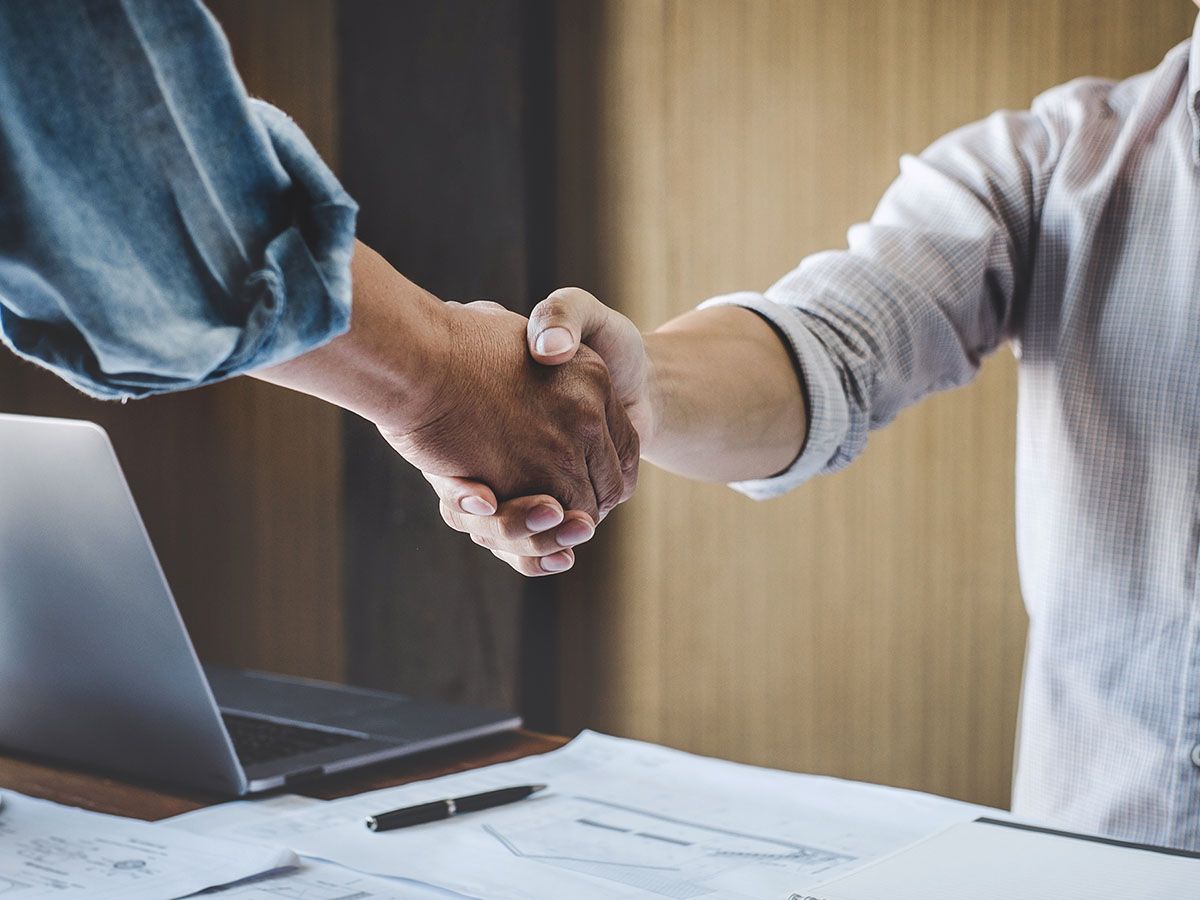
<point x="933" y="283"/>
<point x="159" y="230"/>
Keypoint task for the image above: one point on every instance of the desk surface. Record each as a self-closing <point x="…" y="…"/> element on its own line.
<point x="109" y="794"/>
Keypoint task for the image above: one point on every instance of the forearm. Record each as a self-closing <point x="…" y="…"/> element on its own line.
<point x="385" y="367"/>
<point x="726" y="398"/>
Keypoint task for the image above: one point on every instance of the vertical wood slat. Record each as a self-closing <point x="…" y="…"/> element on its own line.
<point x="869" y="625"/>
<point x="285" y="449"/>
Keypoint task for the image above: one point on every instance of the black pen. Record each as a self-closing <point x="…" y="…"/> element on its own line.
<point x="445" y="809"/>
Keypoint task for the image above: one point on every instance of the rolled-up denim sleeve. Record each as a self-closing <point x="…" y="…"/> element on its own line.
<point x="159" y="230"/>
<point x="933" y="283"/>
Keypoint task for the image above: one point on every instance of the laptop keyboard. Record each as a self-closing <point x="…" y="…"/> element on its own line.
<point x="261" y="741"/>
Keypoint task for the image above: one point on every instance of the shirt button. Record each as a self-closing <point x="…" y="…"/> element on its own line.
<point x="1196" y="756"/>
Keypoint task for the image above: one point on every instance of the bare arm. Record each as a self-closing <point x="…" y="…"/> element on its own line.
<point x="374" y="369"/>
<point x="726" y="398"/>
<point x="929" y="286"/>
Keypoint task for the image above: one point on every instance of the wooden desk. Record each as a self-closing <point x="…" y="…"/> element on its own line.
<point x="109" y="794"/>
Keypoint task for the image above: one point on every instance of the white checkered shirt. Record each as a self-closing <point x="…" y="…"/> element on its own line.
<point x="1072" y="232"/>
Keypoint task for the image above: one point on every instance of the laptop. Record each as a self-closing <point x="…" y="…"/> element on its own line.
<point x="97" y="668"/>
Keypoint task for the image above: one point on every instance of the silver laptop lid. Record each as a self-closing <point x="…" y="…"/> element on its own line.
<point x="95" y="664"/>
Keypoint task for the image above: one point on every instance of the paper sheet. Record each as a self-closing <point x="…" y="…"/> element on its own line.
<point x="53" y="851"/>
<point x="990" y="862"/>
<point x="316" y="880"/>
<point x="622" y="819"/>
<point x="239" y="819"/>
<point x="313" y="879"/>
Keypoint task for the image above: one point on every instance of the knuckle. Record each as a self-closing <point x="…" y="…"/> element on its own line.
<point x="542" y="544"/>
<point x="450" y="517"/>
<point x="591" y="388"/>
<point x="609" y="496"/>
<point x="573" y="489"/>
<point x="630" y="468"/>
<point x="528" y="566"/>
<point x="629" y="442"/>
<point x="513" y="562"/>
<point x="568" y="296"/>
<point x="511" y="527"/>
<point x="552" y="309"/>
<point x="562" y="465"/>
<point x="591" y="431"/>
<point x="630" y="484"/>
<point x="591" y="363"/>
<point x="609" y="483"/>
<point x="530" y="545"/>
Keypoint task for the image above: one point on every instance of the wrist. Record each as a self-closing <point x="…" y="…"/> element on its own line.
<point x="657" y="392"/>
<point x="391" y="363"/>
<point x="397" y="367"/>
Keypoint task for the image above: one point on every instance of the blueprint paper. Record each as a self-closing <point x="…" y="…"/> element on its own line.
<point x="312" y="879"/>
<point x="237" y="819"/>
<point x="316" y="880"/>
<point x="623" y="819"/>
<point x="990" y="862"/>
<point x="53" y="851"/>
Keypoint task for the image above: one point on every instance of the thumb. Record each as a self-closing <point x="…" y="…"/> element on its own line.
<point x="561" y="322"/>
<point x="463" y="494"/>
<point x="571" y="316"/>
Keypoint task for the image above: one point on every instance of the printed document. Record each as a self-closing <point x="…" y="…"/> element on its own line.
<point x="986" y="861"/>
<point x="316" y="880"/>
<point x="312" y="879"/>
<point x="53" y="851"/>
<point x="620" y="819"/>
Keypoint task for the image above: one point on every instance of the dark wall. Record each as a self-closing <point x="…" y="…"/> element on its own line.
<point x="295" y="540"/>
<point x="444" y="130"/>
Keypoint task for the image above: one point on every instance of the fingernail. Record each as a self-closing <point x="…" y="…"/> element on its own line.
<point x="542" y="517"/>
<point x="574" y="532"/>
<point x="557" y="562"/>
<point x="553" y="341"/>
<point x="476" y="506"/>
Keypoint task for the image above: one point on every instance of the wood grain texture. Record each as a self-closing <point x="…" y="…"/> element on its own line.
<point x="102" y="793"/>
<point x="239" y="483"/>
<point x="870" y="624"/>
<point x="286" y="448"/>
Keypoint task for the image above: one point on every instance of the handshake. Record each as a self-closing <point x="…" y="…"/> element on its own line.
<point x="530" y="431"/>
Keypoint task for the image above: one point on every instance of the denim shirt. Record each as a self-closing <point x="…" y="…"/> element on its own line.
<point x="159" y="230"/>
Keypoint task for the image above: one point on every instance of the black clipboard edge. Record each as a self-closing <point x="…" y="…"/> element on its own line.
<point x="1113" y="842"/>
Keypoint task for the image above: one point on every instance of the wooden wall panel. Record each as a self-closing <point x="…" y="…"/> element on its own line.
<point x="870" y="624"/>
<point x="284" y="448"/>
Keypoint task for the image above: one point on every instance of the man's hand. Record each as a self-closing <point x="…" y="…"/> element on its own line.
<point x="715" y="395"/>
<point x="533" y="534"/>
<point x="454" y="390"/>
<point x="493" y="414"/>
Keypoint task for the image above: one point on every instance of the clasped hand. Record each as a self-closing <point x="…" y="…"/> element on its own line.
<point x="567" y="458"/>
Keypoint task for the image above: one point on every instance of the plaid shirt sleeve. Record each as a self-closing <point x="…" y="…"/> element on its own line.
<point x="928" y="287"/>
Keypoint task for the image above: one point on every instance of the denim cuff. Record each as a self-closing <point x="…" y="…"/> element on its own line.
<point x="828" y="412"/>
<point x="295" y="297"/>
<point x="301" y="293"/>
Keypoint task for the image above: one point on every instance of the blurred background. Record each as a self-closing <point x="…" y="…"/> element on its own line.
<point x="656" y="152"/>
